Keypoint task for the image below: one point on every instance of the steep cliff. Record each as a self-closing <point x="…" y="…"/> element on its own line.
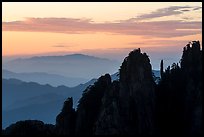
<point x="179" y="95"/>
<point x="191" y="67"/>
<point x="65" y="121"/>
<point x="128" y="107"/>
<point x="136" y="94"/>
<point x="89" y="105"/>
<point x="109" y="119"/>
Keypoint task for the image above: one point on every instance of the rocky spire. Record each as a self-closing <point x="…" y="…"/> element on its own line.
<point x="128" y="106"/>
<point x="65" y="121"/>
<point x="161" y="68"/>
<point x="136" y="94"/>
<point x="90" y="105"/>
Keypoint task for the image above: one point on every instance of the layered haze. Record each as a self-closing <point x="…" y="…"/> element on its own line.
<point x="51" y="51"/>
<point x="77" y="66"/>
<point x="161" y="29"/>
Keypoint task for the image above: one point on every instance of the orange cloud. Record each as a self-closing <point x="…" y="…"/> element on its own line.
<point x="168" y="29"/>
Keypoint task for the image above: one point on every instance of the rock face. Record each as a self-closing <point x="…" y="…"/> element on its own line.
<point x="179" y="95"/>
<point x="191" y="66"/>
<point x="136" y="95"/>
<point x="90" y="104"/>
<point x="65" y="121"/>
<point x="128" y="107"/>
<point x="109" y="119"/>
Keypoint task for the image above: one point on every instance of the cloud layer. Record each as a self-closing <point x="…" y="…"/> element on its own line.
<point x="172" y="28"/>
<point x="172" y="10"/>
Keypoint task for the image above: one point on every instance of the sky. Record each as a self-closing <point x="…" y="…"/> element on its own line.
<point x="102" y="29"/>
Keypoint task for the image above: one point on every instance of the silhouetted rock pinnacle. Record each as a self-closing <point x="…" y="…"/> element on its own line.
<point x="90" y="104"/>
<point x="136" y="94"/>
<point x="179" y="95"/>
<point x="65" y="121"/>
<point x="125" y="107"/>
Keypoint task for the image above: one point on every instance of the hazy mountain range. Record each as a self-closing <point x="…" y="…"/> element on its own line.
<point x="44" y="78"/>
<point x="74" y="65"/>
<point x="30" y="100"/>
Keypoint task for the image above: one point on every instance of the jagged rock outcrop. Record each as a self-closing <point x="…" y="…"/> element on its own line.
<point x="109" y="120"/>
<point x="128" y="107"/>
<point x="136" y="94"/>
<point x="65" y="121"/>
<point x="191" y="67"/>
<point x="179" y="95"/>
<point x="90" y="104"/>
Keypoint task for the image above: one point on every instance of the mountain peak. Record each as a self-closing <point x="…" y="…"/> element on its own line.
<point x="60" y="57"/>
<point x="76" y="54"/>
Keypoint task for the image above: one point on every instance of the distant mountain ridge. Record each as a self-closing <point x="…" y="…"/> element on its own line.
<point x="74" y="56"/>
<point x="44" y="78"/>
<point x="53" y="79"/>
<point x="74" y="65"/>
<point x="20" y="96"/>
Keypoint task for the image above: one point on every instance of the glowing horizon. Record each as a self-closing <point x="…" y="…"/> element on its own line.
<point x="101" y="29"/>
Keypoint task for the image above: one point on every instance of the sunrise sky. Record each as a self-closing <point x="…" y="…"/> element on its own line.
<point x="108" y="30"/>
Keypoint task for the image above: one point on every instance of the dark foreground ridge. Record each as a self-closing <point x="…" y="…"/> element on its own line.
<point x="134" y="105"/>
